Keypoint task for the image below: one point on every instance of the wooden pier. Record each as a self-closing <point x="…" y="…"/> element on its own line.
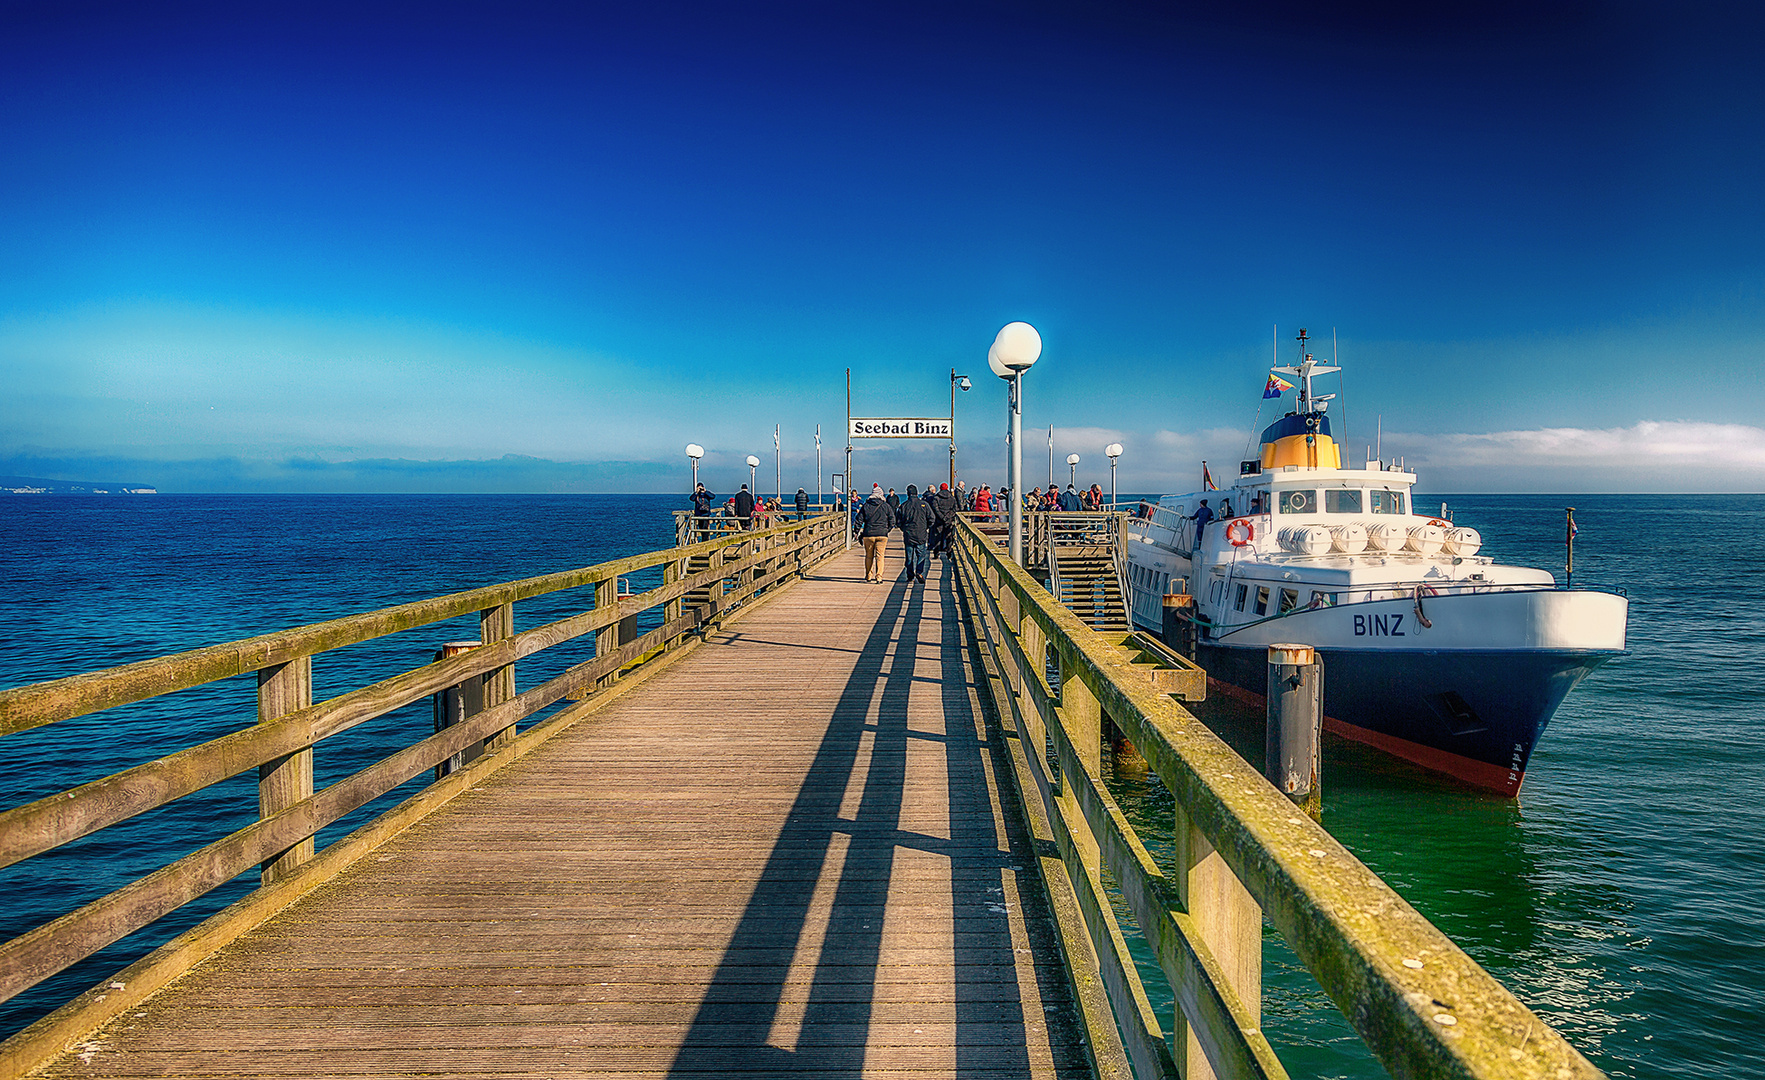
<point x="806" y="826"/>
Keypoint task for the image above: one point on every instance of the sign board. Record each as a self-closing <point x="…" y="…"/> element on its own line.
<point x="908" y="427"/>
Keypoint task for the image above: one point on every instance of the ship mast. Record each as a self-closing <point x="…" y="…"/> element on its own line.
<point x="1303" y="372"/>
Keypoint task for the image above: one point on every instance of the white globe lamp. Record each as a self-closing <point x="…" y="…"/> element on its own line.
<point x="1016" y="346"/>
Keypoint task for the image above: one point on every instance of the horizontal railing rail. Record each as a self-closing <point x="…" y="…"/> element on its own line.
<point x="280" y="745"/>
<point x="1424" y="1008"/>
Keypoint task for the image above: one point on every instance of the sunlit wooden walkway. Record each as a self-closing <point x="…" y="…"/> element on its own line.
<point x="784" y="855"/>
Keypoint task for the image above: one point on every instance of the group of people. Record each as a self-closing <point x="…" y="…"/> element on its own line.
<point x="927" y="525"/>
<point x="927" y="521"/>
<point x="743" y="506"/>
<point x="1071" y="500"/>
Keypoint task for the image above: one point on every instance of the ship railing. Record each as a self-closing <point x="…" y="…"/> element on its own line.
<point x="280" y="745"/>
<point x="1242" y="852"/>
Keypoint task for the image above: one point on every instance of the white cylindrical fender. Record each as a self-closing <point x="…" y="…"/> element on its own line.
<point x="1462" y="542"/>
<point x="1349" y="538"/>
<point x="1305" y="539"/>
<point x="1424" y="539"/>
<point x="1384" y="536"/>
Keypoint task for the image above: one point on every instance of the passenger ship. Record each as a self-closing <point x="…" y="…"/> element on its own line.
<point x="1431" y="652"/>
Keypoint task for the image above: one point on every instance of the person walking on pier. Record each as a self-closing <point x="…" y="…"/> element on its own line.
<point x="916" y="528"/>
<point x="942" y="504"/>
<point x="702" y="503"/>
<point x="876" y="517"/>
<point x="802" y="504"/>
<point x="744" y="507"/>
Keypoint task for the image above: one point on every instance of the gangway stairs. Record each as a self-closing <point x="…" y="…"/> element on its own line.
<point x="1087" y="562"/>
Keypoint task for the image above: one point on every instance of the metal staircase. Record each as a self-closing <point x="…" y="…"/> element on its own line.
<point x="1086" y="557"/>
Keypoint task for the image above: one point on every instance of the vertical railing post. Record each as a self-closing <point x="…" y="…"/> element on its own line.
<point x="606" y="639"/>
<point x="714" y="598"/>
<point x="287" y="780"/>
<point x="1230" y="925"/>
<point x="671" y="571"/>
<point x="1035" y="649"/>
<point x="1081" y="717"/>
<point x="495" y="624"/>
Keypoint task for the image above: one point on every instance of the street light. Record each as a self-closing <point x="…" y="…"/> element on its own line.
<point x="1072" y="461"/>
<point x="753" y="463"/>
<point x="1113" y="451"/>
<point x="695" y="452"/>
<point x="957" y="382"/>
<point x="1015" y="348"/>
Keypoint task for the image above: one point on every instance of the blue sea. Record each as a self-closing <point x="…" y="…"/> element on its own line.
<point x="1622" y="896"/>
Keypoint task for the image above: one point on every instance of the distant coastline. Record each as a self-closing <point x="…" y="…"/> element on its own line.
<point x="29" y="485"/>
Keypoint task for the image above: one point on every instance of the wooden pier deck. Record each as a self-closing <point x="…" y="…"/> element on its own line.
<point x="786" y="854"/>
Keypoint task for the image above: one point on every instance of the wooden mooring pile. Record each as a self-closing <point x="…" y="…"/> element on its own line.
<point x="804" y="825"/>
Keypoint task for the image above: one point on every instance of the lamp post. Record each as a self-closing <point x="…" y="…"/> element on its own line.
<point x="1112" y="451"/>
<point x="1016" y="347"/>
<point x="777" y="469"/>
<point x="957" y="382"/>
<point x="695" y="452"/>
<point x="1072" y="462"/>
<point x="818" y="468"/>
<point x="753" y="463"/>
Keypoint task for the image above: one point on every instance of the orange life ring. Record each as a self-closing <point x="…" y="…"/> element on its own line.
<point x="1232" y="532"/>
<point x="1442" y="524"/>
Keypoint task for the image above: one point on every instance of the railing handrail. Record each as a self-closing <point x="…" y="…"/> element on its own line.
<point x="26" y="707"/>
<point x="1423" y="1007"/>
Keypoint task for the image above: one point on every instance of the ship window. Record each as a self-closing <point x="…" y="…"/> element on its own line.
<point x="1262" y="600"/>
<point x="1243" y="591"/>
<point x="1387" y="502"/>
<point x="1343" y="501"/>
<point x="1299" y="502"/>
<point x="1323" y="599"/>
<point x="1216" y="590"/>
<point x="1289" y="600"/>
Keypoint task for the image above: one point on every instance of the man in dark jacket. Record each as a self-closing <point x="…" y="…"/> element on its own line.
<point x="916" y="529"/>
<point x="703" y="500"/>
<point x="875" y="519"/>
<point x="942" y="504"/>
<point x="1070" y="501"/>
<point x="802" y="504"/>
<point x="744" y="507"/>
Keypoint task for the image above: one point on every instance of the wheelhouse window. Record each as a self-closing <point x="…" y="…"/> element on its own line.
<point x="1298" y="502"/>
<point x="1262" y="600"/>
<point x="1342" y="500"/>
<point x="1386" y="502"/>
<point x="1243" y="591"/>
<point x="1289" y="600"/>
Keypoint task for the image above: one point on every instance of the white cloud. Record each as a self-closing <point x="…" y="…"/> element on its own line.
<point x="1650" y="442"/>
<point x="1649" y="455"/>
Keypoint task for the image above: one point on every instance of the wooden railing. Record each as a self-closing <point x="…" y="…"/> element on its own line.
<point x="1424" y="1008"/>
<point x="281" y="746"/>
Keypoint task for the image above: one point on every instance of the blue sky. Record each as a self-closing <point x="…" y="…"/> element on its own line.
<point x="536" y="248"/>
